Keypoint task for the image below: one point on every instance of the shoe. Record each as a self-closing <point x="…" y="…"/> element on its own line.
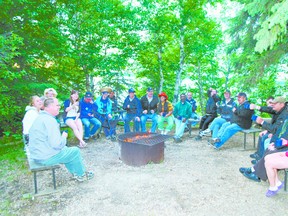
<point x="86" y="139"/>
<point x="216" y="148"/>
<point x="243" y="169"/>
<point x="254" y="162"/>
<point x="252" y="176"/>
<point x="206" y="132"/>
<point x="87" y="176"/>
<point x="108" y="137"/>
<point x="178" y="140"/>
<point x="113" y="138"/>
<point x="95" y="136"/>
<point x="254" y="155"/>
<point x="270" y="193"/>
<point x="186" y="129"/>
<point x="280" y="186"/>
<point x="197" y="138"/>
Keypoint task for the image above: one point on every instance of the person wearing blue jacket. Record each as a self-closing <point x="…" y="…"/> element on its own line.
<point x="134" y="109"/>
<point x="87" y="109"/>
<point x="104" y="113"/>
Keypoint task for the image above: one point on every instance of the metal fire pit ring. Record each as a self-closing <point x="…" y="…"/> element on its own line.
<point x="138" y="148"/>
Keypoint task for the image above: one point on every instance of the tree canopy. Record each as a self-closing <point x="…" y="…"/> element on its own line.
<point x="88" y="44"/>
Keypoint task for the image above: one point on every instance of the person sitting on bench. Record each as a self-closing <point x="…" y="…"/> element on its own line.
<point x="47" y="145"/>
<point x="241" y="119"/>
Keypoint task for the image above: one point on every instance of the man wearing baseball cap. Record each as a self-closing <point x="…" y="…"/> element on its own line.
<point x="241" y="119"/>
<point x="133" y="107"/>
<point x="87" y="108"/>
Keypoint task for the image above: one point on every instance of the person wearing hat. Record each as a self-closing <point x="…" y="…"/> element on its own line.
<point x="263" y="169"/>
<point x="224" y="108"/>
<point x="149" y="110"/>
<point x="87" y="108"/>
<point x="133" y="107"/>
<point x="211" y="111"/>
<point x="280" y="107"/>
<point x="104" y="113"/>
<point x="241" y="119"/>
<point x="182" y="111"/>
<point x="165" y="110"/>
<point x="264" y="136"/>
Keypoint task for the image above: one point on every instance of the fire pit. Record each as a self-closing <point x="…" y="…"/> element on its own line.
<point x="138" y="148"/>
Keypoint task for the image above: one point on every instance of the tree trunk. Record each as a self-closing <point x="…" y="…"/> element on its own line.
<point x="181" y="65"/>
<point x="160" y="69"/>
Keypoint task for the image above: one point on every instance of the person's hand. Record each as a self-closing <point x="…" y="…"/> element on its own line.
<point x="137" y="119"/>
<point x="152" y="111"/>
<point x="145" y="111"/>
<point x="234" y="109"/>
<point x="270" y="135"/>
<point x="271" y="147"/>
<point x="65" y="134"/>
<point x="128" y="106"/>
<point x="262" y="133"/>
<point x="259" y="120"/>
<point x="109" y="116"/>
<point x="76" y="103"/>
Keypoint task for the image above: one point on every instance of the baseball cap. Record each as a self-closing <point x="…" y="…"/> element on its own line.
<point x="279" y="100"/>
<point x="227" y="91"/>
<point x="88" y="95"/>
<point x="149" y="89"/>
<point x="131" y="90"/>
<point x="242" y="94"/>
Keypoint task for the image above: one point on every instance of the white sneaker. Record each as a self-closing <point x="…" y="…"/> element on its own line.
<point x="206" y="132"/>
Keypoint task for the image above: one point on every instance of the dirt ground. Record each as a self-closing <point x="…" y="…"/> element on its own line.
<point x="193" y="179"/>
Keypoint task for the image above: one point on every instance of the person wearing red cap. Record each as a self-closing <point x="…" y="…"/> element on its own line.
<point x="165" y="110"/>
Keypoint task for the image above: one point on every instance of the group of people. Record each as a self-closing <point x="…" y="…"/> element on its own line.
<point x="272" y="150"/>
<point x="47" y="145"/>
<point x="161" y="112"/>
<point x="44" y="143"/>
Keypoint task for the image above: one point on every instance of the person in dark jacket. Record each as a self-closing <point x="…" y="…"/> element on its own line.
<point x="225" y="110"/>
<point x="258" y="171"/>
<point x="211" y="111"/>
<point x="241" y="119"/>
<point x="134" y="109"/>
<point x="149" y="110"/>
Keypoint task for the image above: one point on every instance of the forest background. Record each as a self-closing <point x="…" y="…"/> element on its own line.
<point x="171" y="45"/>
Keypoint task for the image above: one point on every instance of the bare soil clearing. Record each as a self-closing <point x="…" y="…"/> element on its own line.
<point x="193" y="179"/>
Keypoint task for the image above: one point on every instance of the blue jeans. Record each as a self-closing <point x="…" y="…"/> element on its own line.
<point x="144" y="118"/>
<point x="71" y="158"/>
<point x="131" y="117"/>
<point x="180" y="127"/>
<point x="216" y="125"/>
<point x="96" y="125"/>
<point x="261" y="144"/>
<point x="226" y="132"/>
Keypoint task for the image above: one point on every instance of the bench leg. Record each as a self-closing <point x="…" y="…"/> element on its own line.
<point x="190" y="129"/>
<point x="244" y="140"/>
<point x="285" y="180"/>
<point x="254" y="139"/>
<point x="54" y="178"/>
<point x="35" y="182"/>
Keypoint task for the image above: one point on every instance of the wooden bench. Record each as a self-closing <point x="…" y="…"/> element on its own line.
<point x="248" y="131"/>
<point x="36" y="167"/>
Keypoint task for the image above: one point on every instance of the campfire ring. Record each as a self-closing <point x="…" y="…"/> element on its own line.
<point x="138" y="148"/>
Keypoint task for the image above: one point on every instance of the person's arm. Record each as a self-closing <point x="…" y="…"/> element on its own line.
<point x="55" y="139"/>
